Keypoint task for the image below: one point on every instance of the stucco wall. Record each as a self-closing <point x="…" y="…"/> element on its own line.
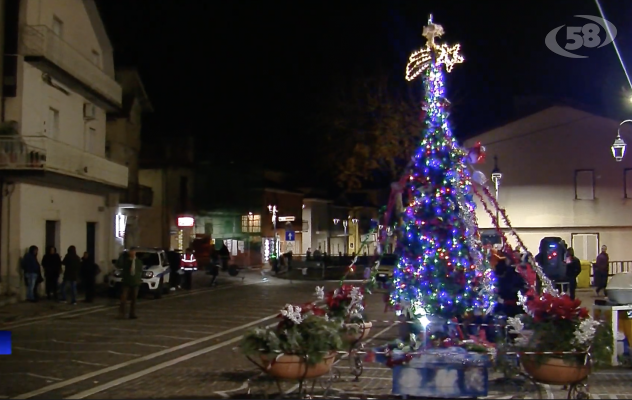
<point x="31" y="206"/>
<point x="539" y="156"/>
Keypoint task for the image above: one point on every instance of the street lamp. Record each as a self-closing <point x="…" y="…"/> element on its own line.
<point x="619" y="145"/>
<point x="274" y="210"/>
<point x="497" y="176"/>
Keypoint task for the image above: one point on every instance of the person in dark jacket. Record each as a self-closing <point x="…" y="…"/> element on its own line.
<point x="31" y="268"/>
<point x="600" y="271"/>
<point x="510" y="282"/>
<point x="573" y="269"/>
<point x="72" y="268"/>
<point x="89" y="272"/>
<point x="131" y="280"/>
<point x="51" y="262"/>
<point x="224" y="255"/>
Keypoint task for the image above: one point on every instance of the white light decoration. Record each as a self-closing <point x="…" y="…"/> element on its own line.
<point x="424" y="321"/>
<point x="444" y="54"/>
<point x="266" y="250"/>
<point x="121" y="222"/>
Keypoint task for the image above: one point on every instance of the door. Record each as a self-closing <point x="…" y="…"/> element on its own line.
<point x="91" y="238"/>
<point x="586" y="245"/>
<point x="52" y="234"/>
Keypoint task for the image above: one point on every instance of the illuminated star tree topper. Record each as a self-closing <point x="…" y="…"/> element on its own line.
<point x="443" y="54"/>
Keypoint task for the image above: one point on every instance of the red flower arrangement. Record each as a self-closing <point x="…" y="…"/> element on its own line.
<point x="346" y="303"/>
<point x="548" y="307"/>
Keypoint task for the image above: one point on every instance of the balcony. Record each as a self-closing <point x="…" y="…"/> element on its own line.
<point x="48" y="52"/>
<point x="137" y="196"/>
<point x="41" y="153"/>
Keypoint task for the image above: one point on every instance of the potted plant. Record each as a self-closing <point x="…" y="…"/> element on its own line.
<point x="346" y="305"/>
<point x="573" y="341"/>
<point x="302" y="345"/>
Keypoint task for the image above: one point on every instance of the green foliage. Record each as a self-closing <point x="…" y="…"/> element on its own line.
<point x="558" y="336"/>
<point x="315" y="337"/>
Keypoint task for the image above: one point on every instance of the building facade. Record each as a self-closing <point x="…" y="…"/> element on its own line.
<point x="167" y="167"/>
<point x="559" y="179"/>
<point x="58" y="187"/>
<point x="122" y="145"/>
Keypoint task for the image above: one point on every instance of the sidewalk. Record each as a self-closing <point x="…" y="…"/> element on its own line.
<point x="14" y="311"/>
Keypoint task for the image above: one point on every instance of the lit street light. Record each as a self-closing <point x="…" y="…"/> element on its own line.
<point x="497" y="176"/>
<point x="619" y="145"/>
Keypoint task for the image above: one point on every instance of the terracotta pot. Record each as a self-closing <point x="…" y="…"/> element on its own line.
<point x="362" y="331"/>
<point x="556" y="370"/>
<point x="294" y="367"/>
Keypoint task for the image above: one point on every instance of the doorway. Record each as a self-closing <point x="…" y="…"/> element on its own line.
<point x="586" y="245"/>
<point x="91" y="238"/>
<point x="52" y="234"/>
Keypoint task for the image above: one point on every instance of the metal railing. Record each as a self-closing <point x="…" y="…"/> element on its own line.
<point x="16" y="154"/>
<point x="41" y="41"/>
<point x="42" y="152"/>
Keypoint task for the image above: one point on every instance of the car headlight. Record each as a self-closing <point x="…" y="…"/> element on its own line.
<point x="148" y="274"/>
<point x="118" y="272"/>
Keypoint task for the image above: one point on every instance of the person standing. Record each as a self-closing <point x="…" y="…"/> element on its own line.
<point x="89" y="272"/>
<point x="573" y="269"/>
<point x="131" y="280"/>
<point x="600" y="271"/>
<point x="189" y="264"/>
<point x="31" y="268"/>
<point x="72" y="267"/>
<point x="51" y="262"/>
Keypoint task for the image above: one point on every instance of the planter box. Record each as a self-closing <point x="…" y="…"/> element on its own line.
<point x="443" y="373"/>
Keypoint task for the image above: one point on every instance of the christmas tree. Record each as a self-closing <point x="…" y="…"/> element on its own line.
<point x="441" y="271"/>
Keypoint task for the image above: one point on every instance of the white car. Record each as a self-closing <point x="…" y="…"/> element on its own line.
<point x="156" y="272"/>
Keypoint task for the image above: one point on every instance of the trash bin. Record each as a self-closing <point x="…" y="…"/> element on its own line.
<point x="583" y="280"/>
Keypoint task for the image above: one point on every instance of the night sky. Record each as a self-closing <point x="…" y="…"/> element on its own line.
<point x="246" y="77"/>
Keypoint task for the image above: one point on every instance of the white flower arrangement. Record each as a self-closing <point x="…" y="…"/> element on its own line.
<point x="293" y="313"/>
<point x="585" y="332"/>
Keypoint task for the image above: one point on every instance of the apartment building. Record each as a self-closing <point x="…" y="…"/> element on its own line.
<point x="58" y="187"/>
<point x="122" y="145"/>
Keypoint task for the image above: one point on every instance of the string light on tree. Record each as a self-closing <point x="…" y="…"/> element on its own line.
<point x="441" y="271"/>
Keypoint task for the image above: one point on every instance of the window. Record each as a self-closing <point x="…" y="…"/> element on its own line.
<point x="627" y="183"/>
<point x="584" y="184"/>
<point x="58" y="27"/>
<point x="53" y="123"/>
<point x="251" y="223"/>
<point x="586" y="245"/>
<point x="96" y="58"/>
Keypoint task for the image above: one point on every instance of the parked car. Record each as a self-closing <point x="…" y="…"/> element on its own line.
<point x="156" y="273"/>
<point x="388" y="262"/>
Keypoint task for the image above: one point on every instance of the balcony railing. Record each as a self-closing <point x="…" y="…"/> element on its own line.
<point x="41" y="41"/>
<point x="137" y="195"/>
<point x="44" y="153"/>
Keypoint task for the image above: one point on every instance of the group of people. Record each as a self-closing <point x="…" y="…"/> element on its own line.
<point x="71" y="269"/>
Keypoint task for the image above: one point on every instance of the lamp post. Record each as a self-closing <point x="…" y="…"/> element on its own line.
<point x="274" y="210"/>
<point x="619" y="145"/>
<point x="497" y="176"/>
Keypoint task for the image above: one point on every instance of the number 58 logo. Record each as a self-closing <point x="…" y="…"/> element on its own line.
<point x="582" y="36"/>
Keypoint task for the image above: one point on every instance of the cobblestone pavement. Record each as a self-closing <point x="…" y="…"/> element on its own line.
<point x="182" y="346"/>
